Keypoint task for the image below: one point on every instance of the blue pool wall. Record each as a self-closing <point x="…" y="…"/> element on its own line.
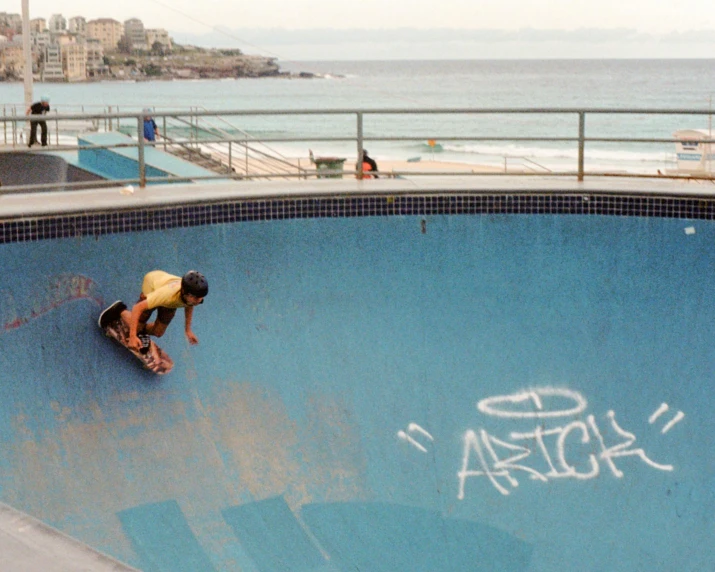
<point x="381" y="384"/>
<point x="99" y="153"/>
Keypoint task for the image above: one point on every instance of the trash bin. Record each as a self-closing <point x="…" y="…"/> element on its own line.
<point x="329" y="164"/>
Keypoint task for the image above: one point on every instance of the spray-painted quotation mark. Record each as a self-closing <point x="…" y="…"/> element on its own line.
<point x="679" y="416"/>
<point x="413" y="428"/>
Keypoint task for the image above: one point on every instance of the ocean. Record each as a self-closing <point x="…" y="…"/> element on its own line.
<point x="618" y="84"/>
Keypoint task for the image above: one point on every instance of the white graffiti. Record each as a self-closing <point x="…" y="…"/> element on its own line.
<point x="555" y="448"/>
<point x="485" y="455"/>
<point x="669" y="425"/>
<point x="500" y="406"/>
<point x="411" y="429"/>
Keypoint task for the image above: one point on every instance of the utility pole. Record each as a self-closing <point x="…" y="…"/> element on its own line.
<point x="27" y="52"/>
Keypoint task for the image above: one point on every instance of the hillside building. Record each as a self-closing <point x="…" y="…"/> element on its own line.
<point x="107" y="31"/>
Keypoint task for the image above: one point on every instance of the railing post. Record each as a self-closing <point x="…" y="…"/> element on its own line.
<point x="110" y="119"/>
<point x="163" y="132"/>
<point x="359" y="145"/>
<point x="196" y="129"/>
<point x="140" y="138"/>
<point x="14" y="128"/>
<point x="581" y="142"/>
<point x="230" y="153"/>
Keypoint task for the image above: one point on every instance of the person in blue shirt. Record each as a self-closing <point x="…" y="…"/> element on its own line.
<point x="150" y="129"/>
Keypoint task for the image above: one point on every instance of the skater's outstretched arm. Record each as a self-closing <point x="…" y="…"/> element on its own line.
<point x="188" y="315"/>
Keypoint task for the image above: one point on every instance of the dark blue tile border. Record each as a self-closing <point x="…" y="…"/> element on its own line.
<point x="68" y="226"/>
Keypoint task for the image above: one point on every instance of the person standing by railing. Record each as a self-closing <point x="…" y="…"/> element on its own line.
<point x="151" y="131"/>
<point x="38" y="108"/>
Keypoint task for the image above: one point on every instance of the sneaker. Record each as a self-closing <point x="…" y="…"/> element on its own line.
<point x="146" y="343"/>
<point x="111" y="314"/>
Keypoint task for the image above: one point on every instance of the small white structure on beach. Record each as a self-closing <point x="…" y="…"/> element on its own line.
<point x="694" y="156"/>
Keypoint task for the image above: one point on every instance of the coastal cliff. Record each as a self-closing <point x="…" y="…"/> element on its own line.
<point x="182" y="62"/>
<point x="192" y="64"/>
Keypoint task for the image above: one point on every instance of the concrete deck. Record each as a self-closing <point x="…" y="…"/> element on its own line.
<point x="108" y="199"/>
<point x="28" y="545"/>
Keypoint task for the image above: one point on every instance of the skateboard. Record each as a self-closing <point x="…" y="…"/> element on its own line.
<point x="151" y="355"/>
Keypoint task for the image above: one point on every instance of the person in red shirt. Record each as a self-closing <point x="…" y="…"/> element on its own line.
<point x="368" y="166"/>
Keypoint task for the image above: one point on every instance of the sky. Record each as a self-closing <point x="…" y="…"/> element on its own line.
<point x="419" y="29"/>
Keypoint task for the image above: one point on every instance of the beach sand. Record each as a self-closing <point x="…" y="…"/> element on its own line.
<point x="390" y="168"/>
<point x="263" y="166"/>
<point x="434" y="166"/>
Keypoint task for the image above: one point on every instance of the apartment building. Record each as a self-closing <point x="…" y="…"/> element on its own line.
<point x="12" y="22"/>
<point x="40" y="40"/>
<point x="158" y="35"/>
<point x="57" y="24"/>
<point x="12" y="58"/>
<point x="72" y="50"/>
<point x="52" y="65"/>
<point x="95" y="57"/>
<point x="134" y="32"/>
<point x="107" y="31"/>
<point x="77" y="25"/>
<point x="74" y="61"/>
<point x="64" y="39"/>
<point x="38" y="25"/>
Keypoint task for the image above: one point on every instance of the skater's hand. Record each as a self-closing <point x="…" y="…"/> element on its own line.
<point x="134" y="343"/>
<point x="193" y="340"/>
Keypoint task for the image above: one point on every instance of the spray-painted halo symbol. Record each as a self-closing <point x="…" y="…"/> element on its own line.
<point x="531" y="404"/>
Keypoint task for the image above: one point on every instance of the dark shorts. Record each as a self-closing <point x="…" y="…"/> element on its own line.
<point x="163" y="315"/>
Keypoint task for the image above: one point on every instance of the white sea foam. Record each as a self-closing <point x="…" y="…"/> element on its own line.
<point x="560" y="153"/>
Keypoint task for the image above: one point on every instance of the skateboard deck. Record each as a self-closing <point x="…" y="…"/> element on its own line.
<point x="152" y="356"/>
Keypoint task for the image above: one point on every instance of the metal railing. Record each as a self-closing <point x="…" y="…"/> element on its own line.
<point x="528" y="164"/>
<point x="273" y="165"/>
<point x="223" y="148"/>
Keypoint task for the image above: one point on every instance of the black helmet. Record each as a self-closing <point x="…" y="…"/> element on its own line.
<point x="195" y="283"/>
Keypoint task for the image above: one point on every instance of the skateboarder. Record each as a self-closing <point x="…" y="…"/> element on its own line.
<point x="165" y="293"/>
